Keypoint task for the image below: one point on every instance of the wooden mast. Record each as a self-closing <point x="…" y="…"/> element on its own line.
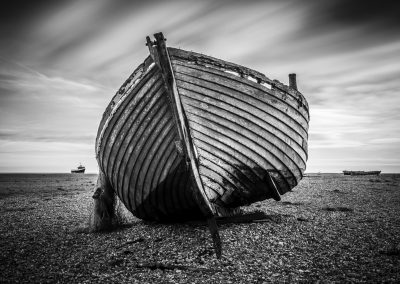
<point x="159" y="53"/>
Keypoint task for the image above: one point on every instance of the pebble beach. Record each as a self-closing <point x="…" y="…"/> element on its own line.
<point x="330" y="228"/>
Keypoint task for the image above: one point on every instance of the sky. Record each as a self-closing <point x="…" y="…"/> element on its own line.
<point x="62" y="61"/>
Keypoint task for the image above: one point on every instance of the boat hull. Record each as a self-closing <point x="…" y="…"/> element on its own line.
<point x="242" y="130"/>
<point x="249" y="141"/>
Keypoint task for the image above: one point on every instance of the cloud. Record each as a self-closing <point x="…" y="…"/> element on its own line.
<point x="343" y="12"/>
<point x="59" y="157"/>
<point x="62" y="61"/>
<point x="13" y="136"/>
<point x="41" y="108"/>
<point x="395" y="141"/>
<point x="377" y="19"/>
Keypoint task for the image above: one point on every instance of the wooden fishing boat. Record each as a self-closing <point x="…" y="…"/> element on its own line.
<point x="190" y="136"/>
<point x="361" y="173"/>
<point x="79" y="170"/>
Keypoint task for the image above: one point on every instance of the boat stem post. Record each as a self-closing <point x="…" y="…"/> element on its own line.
<point x="162" y="59"/>
<point x="292" y="81"/>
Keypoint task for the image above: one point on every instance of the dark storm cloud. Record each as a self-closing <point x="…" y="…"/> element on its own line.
<point x="329" y="27"/>
<point x="367" y="22"/>
<point x="14" y="13"/>
<point x="378" y="14"/>
<point x="17" y="18"/>
<point x="343" y="12"/>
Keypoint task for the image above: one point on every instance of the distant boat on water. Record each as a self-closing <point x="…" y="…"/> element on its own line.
<point x="361" y="173"/>
<point x="79" y="170"/>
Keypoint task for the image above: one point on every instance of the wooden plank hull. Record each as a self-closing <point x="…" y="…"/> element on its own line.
<point x="139" y="157"/>
<point x="249" y="142"/>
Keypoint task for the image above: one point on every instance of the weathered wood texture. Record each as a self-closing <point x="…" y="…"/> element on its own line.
<point x="245" y="135"/>
<point x="242" y="130"/>
<point x="139" y="157"/>
<point x="163" y="61"/>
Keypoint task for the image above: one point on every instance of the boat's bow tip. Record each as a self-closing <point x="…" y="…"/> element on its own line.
<point x="159" y="36"/>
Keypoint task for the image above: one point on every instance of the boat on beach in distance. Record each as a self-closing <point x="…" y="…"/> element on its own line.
<point x="188" y="136"/>
<point x="361" y="173"/>
<point x="79" y="170"/>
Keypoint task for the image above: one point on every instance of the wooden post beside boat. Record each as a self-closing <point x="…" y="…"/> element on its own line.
<point x="292" y="81"/>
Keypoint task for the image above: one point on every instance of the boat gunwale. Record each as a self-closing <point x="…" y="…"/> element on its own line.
<point x="249" y="83"/>
<point x="114" y="105"/>
<point x="244" y="72"/>
<point x="265" y="121"/>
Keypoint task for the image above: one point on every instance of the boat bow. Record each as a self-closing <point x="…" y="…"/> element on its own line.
<point x="187" y="128"/>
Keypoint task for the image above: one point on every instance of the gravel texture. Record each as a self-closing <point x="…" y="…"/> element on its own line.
<point x="331" y="228"/>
